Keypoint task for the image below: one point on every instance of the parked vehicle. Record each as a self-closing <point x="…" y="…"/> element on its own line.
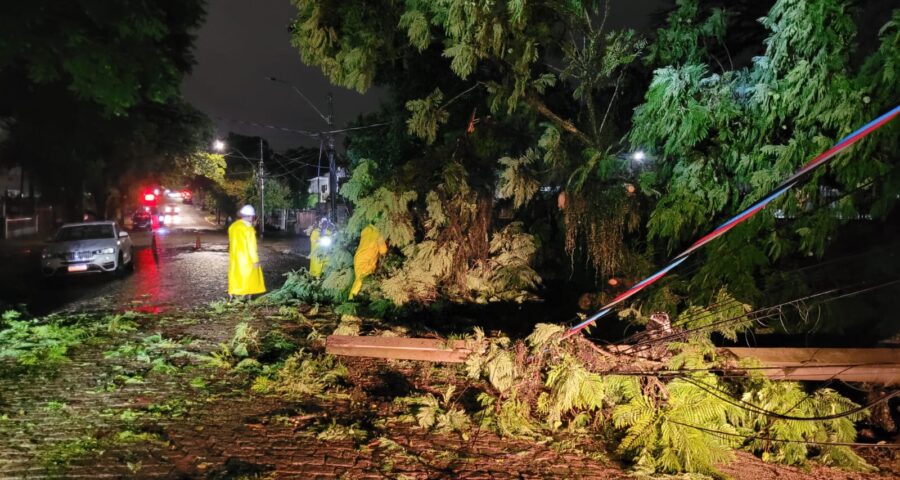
<point x="88" y="247"/>
<point x="143" y="218"/>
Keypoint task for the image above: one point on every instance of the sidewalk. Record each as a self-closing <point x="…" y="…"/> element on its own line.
<point x="17" y="247"/>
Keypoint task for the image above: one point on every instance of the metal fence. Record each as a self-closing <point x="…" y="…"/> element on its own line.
<point x="20" y="227"/>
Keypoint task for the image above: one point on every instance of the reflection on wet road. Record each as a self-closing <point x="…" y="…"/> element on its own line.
<point x="173" y="273"/>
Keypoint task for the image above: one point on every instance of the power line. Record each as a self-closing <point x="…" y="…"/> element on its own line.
<point x="784" y="440"/>
<point x="753" y="408"/>
<point x="714" y="308"/>
<point x="770" y="312"/>
<point x="308" y="133"/>
<point x="745" y="214"/>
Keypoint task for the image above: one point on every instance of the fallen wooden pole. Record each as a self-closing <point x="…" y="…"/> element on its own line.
<point x="871" y="365"/>
<point x="400" y="348"/>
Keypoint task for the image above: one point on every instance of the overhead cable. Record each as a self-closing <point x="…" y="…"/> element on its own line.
<point x="743" y="216"/>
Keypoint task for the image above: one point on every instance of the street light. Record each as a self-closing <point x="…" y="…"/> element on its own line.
<point x="638" y="156"/>
<point x="219" y="146"/>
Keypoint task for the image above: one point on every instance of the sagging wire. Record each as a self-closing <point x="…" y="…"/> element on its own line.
<point x="713" y="309"/>
<point x="775" y="308"/>
<point x="784" y="440"/>
<point x="753" y="408"/>
<point x="741" y="217"/>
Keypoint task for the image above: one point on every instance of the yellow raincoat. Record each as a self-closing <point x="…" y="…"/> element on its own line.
<point x="317" y="259"/>
<point x="244" y="278"/>
<point x="371" y="246"/>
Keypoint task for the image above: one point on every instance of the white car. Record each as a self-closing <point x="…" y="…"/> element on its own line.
<point x="88" y="247"/>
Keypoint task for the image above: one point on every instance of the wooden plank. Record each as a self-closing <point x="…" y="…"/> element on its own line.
<point x="403" y="348"/>
<point x="874" y="365"/>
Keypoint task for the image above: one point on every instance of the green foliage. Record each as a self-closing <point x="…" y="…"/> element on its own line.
<point x="684" y="424"/>
<point x="245" y="340"/>
<point x="276" y="345"/>
<point x="685" y="38"/>
<point x="793" y="399"/>
<point x="724" y="139"/>
<point x="360" y="182"/>
<point x="41" y="342"/>
<point x="202" y="164"/>
<point x="336" y="432"/>
<point x="494" y="362"/>
<point x="92" y="48"/>
<point x="389" y="212"/>
<point x="153" y="350"/>
<point x="660" y="437"/>
<point x="57" y="458"/>
<point x="516" y="181"/>
<point x="298" y="286"/>
<point x="349" y="325"/>
<point x="510" y="417"/>
<point x="303" y="375"/>
<point x="427" y="115"/>
<point x="437" y="414"/>
<point x="571" y="388"/>
<point x="507" y="275"/>
<point x="277" y="194"/>
<point x="726" y="319"/>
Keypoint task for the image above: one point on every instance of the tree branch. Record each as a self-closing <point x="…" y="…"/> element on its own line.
<point x="566" y="125"/>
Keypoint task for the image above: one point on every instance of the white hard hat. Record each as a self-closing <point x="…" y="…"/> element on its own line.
<point x="247" y="211"/>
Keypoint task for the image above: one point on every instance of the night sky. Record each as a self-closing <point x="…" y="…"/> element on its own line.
<point x="244" y="42"/>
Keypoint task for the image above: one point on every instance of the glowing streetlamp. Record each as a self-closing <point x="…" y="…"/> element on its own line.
<point x="638" y="156"/>
<point x="219" y="145"/>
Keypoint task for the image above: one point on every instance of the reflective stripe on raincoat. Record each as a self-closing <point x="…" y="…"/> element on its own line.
<point x="243" y="277"/>
<point x="371" y="246"/>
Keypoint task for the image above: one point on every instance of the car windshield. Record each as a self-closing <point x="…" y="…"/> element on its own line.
<point x="84" y="232"/>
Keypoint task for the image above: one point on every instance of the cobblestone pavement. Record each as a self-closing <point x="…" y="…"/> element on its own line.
<point x="103" y="416"/>
<point x="142" y="404"/>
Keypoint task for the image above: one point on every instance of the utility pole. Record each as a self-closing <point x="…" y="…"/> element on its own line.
<point x="332" y="168"/>
<point x="262" y="191"/>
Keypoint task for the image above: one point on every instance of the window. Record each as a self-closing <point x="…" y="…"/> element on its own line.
<point x="85" y="232"/>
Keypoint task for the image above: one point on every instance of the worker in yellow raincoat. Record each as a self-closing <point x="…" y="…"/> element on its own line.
<point x="319" y="241"/>
<point x="244" y="273"/>
<point x="371" y="247"/>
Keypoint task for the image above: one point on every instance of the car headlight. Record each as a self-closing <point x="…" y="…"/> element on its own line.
<point x="177" y="209"/>
<point x="105" y="251"/>
<point x="45" y="255"/>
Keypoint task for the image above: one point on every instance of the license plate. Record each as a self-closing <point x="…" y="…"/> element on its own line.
<point x="78" y="268"/>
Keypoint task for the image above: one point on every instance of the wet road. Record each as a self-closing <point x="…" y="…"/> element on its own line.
<point x="169" y="272"/>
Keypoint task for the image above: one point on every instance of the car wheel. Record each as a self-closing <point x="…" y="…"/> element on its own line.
<point x="119" y="272"/>
<point x="131" y="260"/>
